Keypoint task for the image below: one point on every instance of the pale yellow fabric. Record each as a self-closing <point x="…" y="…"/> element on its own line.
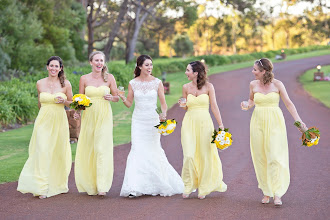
<point x="94" y="157"/>
<point x="269" y="145"/>
<point x="47" y="169"/>
<point x="202" y="167"/>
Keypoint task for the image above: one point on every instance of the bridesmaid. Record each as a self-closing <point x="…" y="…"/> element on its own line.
<point x="202" y="167"/>
<point x="46" y="171"/>
<point x="268" y="137"/>
<point x="94" y="157"/>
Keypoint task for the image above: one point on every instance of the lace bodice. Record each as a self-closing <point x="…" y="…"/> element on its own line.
<point x="145" y="96"/>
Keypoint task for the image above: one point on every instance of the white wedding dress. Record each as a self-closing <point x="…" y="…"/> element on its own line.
<point x="148" y="171"/>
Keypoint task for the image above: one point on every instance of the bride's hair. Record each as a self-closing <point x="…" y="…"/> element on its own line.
<point x="139" y="62"/>
<point x="104" y="69"/>
<point x="266" y="64"/>
<point x="61" y="74"/>
<point x="200" y="68"/>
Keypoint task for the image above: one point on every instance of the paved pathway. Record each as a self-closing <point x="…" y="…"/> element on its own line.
<point x="307" y="197"/>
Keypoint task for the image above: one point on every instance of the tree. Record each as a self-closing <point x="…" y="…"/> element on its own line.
<point x="182" y="45"/>
<point x="20" y="34"/>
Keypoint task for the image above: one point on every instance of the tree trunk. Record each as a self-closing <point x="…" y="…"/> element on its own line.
<point x="114" y="31"/>
<point x="90" y="28"/>
<point x="287" y="39"/>
<point x="137" y="26"/>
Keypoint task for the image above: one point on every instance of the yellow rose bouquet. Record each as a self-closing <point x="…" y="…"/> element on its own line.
<point x="310" y="137"/>
<point x="222" y="138"/>
<point x="166" y="127"/>
<point x="80" y="102"/>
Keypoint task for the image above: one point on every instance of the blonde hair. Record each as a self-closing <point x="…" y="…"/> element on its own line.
<point x="104" y="69"/>
<point x="267" y="65"/>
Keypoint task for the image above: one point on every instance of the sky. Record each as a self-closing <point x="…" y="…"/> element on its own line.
<point x="215" y="8"/>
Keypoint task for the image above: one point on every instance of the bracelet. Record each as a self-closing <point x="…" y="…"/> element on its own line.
<point x="124" y="100"/>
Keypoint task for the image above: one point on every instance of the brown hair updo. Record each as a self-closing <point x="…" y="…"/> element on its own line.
<point x="266" y="64"/>
<point x="139" y="62"/>
<point x="61" y="74"/>
<point x="104" y="69"/>
<point x="200" y="68"/>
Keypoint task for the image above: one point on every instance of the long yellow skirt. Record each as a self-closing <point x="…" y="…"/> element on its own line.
<point x="202" y="168"/>
<point x="269" y="150"/>
<point x="94" y="157"/>
<point x="47" y="169"/>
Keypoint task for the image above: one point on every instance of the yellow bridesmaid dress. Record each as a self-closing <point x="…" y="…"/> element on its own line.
<point x="202" y="167"/>
<point x="47" y="169"/>
<point x="269" y="145"/>
<point x="94" y="156"/>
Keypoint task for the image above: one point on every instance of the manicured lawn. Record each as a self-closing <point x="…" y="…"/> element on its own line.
<point x="14" y="144"/>
<point x="318" y="89"/>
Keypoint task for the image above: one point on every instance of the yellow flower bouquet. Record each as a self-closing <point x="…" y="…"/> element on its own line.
<point x="222" y="138"/>
<point x="166" y="127"/>
<point x="310" y="137"/>
<point x="80" y="102"/>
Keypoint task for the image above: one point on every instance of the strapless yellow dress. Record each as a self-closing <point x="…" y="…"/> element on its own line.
<point x="202" y="167"/>
<point x="47" y="169"/>
<point x="94" y="156"/>
<point x="269" y="145"/>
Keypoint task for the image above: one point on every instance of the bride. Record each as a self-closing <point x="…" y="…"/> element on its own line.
<point x="148" y="171"/>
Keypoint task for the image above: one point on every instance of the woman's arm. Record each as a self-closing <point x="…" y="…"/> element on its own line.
<point x="68" y="93"/>
<point x="76" y="115"/>
<point x="162" y="100"/>
<point x="130" y="96"/>
<point x="82" y="85"/>
<point x="250" y="102"/>
<point x="38" y="89"/>
<point x="214" y="106"/>
<point x="113" y="89"/>
<point x="184" y="95"/>
<point x="288" y="103"/>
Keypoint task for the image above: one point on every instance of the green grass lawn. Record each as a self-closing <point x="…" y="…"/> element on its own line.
<point x="318" y="89"/>
<point x="14" y="143"/>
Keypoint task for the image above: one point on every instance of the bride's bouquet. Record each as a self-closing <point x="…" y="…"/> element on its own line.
<point x="310" y="137"/>
<point x="222" y="138"/>
<point x="80" y="102"/>
<point x="165" y="127"/>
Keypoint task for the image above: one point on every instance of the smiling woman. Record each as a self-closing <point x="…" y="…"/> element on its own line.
<point x="94" y="158"/>
<point x="44" y="174"/>
<point x="148" y="171"/>
<point x="268" y="136"/>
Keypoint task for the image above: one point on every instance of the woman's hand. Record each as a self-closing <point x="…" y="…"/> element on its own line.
<point x="108" y="97"/>
<point x="59" y="100"/>
<point x="245" y="105"/>
<point x="162" y="116"/>
<point x="302" y="127"/>
<point x="222" y="127"/>
<point x="76" y="115"/>
<point x="122" y="96"/>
